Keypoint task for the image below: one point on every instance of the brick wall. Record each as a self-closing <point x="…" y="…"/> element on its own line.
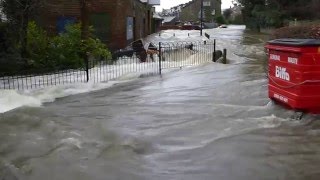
<point x="118" y="11"/>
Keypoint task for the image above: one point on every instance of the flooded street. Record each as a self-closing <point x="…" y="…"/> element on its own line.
<point x="212" y="121"/>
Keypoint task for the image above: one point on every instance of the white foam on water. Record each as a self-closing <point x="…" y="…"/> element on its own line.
<point x="208" y="138"/>
<point x="12" y="99"/>
<point x="124" y="71"/>
<point x="71" y="142"/>
<point x="50" y="94"/>
<point x="271" y="121"/>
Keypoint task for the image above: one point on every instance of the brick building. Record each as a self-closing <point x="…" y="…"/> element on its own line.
<point x="116" y="22"/>
<point x="191" y="10"/>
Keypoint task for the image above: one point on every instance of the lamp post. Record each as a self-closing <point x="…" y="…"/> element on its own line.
<point x="201" y="18"/>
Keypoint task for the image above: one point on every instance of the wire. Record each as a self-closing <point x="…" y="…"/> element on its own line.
<point x="294" y="85"/>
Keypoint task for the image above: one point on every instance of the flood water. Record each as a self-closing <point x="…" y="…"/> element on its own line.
<point x="208" y="122"/>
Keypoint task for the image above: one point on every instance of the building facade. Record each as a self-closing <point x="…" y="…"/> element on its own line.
<point x="116" y="22"/>
<point x="236" y="12"/>
<point x="191" y="11"/>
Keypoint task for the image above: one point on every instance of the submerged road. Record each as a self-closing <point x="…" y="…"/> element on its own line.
<point x="208" y="122"/>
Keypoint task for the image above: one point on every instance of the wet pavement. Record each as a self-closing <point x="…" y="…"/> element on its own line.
<point x="208" y="122"/>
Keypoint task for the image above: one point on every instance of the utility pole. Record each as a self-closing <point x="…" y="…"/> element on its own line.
<point x="201" y="19"/>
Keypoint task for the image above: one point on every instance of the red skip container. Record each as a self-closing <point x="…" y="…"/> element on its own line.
<point x="294" y="73"/>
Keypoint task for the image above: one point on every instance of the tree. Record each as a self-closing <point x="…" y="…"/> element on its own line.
<point x="18" y="14"/>
<point x="84" y="4"/>
<point x="274" y="13"/>
<point x="227" y="13"/>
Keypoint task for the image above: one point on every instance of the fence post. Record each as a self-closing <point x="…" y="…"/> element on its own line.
<point x="224" y="56"/>
<point x="87" y="66"/>
<point x="160" y="57"/>
<point x="214" y="50"/>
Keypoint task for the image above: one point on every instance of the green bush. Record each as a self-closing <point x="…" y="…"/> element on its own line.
<point x="220" y="20"/>
<point x="37" y="46"/>
<point x="63" y="51"/>
<point x="66" y="48"/>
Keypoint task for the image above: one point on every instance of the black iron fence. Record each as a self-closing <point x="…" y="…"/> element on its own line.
<point x="181" y="54"/>
<point x="166" y="55"/>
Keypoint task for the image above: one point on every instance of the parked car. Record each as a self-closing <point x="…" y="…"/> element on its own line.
<point x="223" y="26"/>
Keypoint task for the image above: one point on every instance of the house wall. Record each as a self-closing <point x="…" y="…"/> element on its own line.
<point x="113" y="13"/>
<point x="191" y="11"/>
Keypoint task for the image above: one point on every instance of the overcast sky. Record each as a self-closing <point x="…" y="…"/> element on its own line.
<point x="166" y="4"/>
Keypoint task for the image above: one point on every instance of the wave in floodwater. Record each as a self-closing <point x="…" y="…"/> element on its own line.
<point x="11" y="99"/>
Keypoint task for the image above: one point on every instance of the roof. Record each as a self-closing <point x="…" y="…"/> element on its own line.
<point x="156" y="16"/>
<point x="168" y="19"/>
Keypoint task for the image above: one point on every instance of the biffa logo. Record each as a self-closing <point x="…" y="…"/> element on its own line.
<point x="282" y="73"/>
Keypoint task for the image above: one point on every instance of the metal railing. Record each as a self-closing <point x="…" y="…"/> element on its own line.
<point x="181" y="54"/>
<point x="168" y="55"/>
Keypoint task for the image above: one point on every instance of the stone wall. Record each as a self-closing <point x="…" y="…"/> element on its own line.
<point x="191" y="11"/>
